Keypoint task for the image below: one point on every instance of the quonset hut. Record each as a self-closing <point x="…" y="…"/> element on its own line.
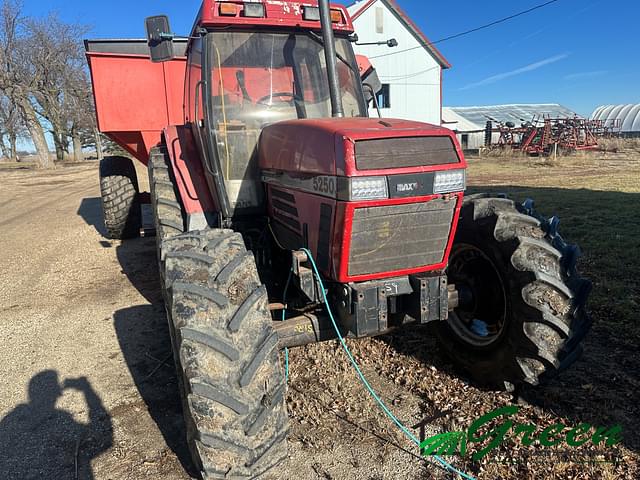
<point x="628" y="117"/>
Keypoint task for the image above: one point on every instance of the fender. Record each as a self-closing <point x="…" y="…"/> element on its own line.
<point x="190" y="180"/>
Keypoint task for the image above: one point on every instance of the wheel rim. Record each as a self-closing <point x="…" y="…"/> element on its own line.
<point x="481" y="320"/>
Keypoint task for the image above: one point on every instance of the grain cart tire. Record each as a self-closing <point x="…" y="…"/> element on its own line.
<point x="120" y="198"/>
<point x="525" y="316"/>
<point x="227" y="353"/>
<point x="167" y="210"/>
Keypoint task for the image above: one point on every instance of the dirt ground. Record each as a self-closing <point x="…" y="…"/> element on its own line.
<point x="89" y="389"/>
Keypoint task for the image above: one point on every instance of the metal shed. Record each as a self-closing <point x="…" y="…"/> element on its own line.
<point x="628" y="115"/>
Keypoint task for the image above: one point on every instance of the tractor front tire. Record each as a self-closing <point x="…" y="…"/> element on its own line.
<point x="120" y="198"/>
<point x="226" y="353"/>
<point x="525" y="316"/>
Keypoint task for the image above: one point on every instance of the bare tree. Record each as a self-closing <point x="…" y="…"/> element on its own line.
<point x="44" y="79"/>
<point x="11" y="128"/>
<point x="16" y="81"/>
<point x="80" y="112"/>
<point x="60" y="90"/>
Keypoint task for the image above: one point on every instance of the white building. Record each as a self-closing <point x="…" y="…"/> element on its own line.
<point x="411" y="73"/>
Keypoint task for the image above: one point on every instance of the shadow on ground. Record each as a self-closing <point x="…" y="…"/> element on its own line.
<point x="143" y="334"/>
<point x="136" y="256"/>
<point x="38" y="440"/>
<point x="91" y="212"/>
<point x="144" y="339"/>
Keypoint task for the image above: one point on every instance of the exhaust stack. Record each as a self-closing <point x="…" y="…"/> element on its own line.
<point x="337" y="109"/>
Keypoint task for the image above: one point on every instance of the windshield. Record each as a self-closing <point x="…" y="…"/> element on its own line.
<point x="262" y="78"/>
<point x="266" y="77"/>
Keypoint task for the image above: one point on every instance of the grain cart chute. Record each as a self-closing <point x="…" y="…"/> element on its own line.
<point x="262" y="162"/>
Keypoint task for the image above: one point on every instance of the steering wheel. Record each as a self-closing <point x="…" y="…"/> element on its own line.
<point x="283" y="97"/>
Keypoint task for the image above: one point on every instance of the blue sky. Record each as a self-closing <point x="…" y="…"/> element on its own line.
<point x="581" y="53"/>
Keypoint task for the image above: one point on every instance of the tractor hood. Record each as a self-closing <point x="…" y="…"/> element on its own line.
<point x="355" y="146"/>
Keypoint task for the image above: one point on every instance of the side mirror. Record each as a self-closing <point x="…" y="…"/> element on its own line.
<point x="369" y="77"/>
<point x="159" y="38"/>
<point x="373" y="81"/>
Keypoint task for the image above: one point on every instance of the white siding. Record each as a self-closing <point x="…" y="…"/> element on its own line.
<point x="414" y="76"/>
<point x="476" y="140"/>
<point x="458" y="123"/>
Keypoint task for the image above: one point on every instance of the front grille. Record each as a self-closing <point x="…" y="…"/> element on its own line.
<point x="404" y="152"/>
<point x="400" y="237"/>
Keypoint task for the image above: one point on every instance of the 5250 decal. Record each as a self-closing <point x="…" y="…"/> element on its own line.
<point x="324" y="185"/>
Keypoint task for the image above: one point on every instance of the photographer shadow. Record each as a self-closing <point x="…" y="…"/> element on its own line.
<point x="38" y="440"/>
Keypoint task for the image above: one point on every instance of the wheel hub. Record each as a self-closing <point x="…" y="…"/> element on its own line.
<point x="480" y="319"/>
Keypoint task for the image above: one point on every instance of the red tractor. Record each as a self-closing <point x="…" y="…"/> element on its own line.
<point x="263" y="164"/>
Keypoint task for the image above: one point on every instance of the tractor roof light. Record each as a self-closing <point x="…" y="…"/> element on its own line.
<point x="311" y="14"/>
<point x="254" y="10"/>
<point x="228" y="9"/>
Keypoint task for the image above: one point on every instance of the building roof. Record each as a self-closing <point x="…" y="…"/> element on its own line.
<point x="516" y="113"/>
<point x="629" y="115"/>
<point x="458" y="123"/>
<point x="362" y="6"/>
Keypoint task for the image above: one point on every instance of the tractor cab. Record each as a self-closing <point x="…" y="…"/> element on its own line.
<point x="252" y="64"/>
<point x="257" y="79"/>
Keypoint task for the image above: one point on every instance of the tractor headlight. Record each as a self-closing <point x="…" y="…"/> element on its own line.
<point x="448" y="181"/>
<point x="311" y="14"/>
<point x="369" y="188"/>
<point x="253" y="10"/>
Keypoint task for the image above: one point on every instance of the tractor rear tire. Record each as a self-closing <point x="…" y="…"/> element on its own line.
<point x="226" y="353"/>
<point x="527" y="316"/>
<point x="120" y="198"/>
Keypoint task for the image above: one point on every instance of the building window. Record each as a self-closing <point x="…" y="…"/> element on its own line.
<point x="465" y="141"/>
<point x="379" y="20"/>
<point x="384" y="97"/>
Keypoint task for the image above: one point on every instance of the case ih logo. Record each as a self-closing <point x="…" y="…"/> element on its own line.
<point x="407" y="187"/>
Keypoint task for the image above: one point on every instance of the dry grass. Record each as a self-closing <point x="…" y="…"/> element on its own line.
<point x="620" y="144"/>
<point x="597" y="197"/>
<point x="607" y="146"/>
<point x="6" y="165"/>
<point x="500" y="153"/>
